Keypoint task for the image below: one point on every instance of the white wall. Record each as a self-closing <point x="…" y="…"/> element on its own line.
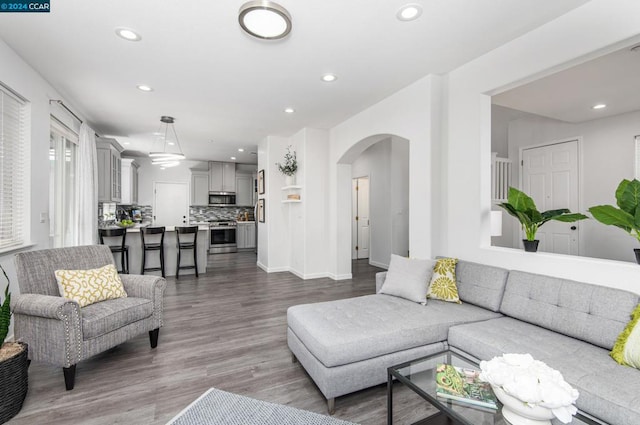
<point x="412" y="113"/>
<point x="148" y="174"/>
<point x="560" y="43"/>
<point x="387" y="165"/>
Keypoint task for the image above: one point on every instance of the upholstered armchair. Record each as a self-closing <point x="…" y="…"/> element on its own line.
<point x="62" y="333"/>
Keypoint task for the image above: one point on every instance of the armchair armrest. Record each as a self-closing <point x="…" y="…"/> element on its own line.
<point x="46" y="306"/>
<point x="148" y="287"/>
<point x="380" y="278"/>
<point x="52" y="326"/>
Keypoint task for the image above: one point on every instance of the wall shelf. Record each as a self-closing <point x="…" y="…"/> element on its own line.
<point x="291" y="190"/>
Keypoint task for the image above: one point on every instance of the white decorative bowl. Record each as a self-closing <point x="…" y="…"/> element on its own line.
<point x="518" y="412"/>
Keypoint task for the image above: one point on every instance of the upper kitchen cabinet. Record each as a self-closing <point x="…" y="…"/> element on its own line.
<point x="129" y="181"/>
<point x="109" y="170"/>
<point x="222" y="176"/>
<point x="244" y="189"/>
<point x="199" y="187"/>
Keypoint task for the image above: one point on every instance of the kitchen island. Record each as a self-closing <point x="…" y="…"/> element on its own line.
<point x="170" y="251"/>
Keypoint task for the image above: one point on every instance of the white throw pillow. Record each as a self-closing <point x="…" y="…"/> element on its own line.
<point x="408" y="278"/>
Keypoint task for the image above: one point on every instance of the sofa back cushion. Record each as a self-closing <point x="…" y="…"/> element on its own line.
<point x="36" y="269"/>
<point x="480" y="284"/>
<point x="591" y="313"/>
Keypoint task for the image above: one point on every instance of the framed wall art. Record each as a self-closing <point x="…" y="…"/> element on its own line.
<point x="261" y="182"/>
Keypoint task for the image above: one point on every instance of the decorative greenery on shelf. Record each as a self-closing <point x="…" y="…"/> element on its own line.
<point x="5" y="311"/>
<point x="627" y="216"/>
<point x="524" y="209"/>
<point x="290" y="165"/>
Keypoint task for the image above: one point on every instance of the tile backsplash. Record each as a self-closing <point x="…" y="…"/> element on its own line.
<point x="206" y="213"/>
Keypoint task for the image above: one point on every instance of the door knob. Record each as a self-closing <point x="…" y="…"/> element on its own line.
<point x="573" y="227"/>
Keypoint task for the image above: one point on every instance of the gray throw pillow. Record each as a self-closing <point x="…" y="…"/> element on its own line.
<point x="408" y="278"/>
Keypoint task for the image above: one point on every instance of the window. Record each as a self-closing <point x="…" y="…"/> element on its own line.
<point x="13" y="171"/>
<point x="63" y="159"/>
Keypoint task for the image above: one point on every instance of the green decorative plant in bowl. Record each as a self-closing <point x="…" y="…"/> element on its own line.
<point x="290" y="166"/>
<point x="524" y="209"/>
<point x="627" y="215"/>
<point x="13" y="363"/>
<point x="125" y="223"/>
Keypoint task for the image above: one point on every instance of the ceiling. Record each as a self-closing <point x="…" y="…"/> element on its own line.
<point x="228" y="90"/>
<point x="568" y="95"/>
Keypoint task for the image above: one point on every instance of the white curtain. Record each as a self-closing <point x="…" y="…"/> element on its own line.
<point x="87" y="199"/>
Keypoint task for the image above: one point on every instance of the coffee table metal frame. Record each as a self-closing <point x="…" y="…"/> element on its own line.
<point x="444" y="405"/>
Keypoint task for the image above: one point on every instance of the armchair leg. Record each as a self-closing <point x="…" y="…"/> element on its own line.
<point x="69" y="376"/>
<point x="153" y="337"/>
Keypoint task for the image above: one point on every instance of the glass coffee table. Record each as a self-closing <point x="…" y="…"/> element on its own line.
<point x="419" y="375"/>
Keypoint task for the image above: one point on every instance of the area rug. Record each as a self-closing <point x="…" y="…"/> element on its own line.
<point x="219" y="407"/>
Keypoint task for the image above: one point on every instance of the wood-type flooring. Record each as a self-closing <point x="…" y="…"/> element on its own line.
<point x="225" y="329"/>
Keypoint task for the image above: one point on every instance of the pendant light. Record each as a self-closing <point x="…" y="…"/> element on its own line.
<point x="171" y="154"/>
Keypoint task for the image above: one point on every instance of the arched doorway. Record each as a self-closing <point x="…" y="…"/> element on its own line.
<point x="383" y="162"/>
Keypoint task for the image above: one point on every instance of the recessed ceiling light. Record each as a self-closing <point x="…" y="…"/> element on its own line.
<point x="264" y="19"/>
<point x="157" y="133"/>
<point x="170" y="143"/>
<point x="329" y="78"/>
<point x="233" y="158"/>
<point x="289" y="110"/>
<point x="599" y="106"/>
<point x="240" y="150"/>
<point x="126" y="143"/>
<point x="144" y="87"/>
<point x="128" y="34"/>
<point x="409" y="12"/>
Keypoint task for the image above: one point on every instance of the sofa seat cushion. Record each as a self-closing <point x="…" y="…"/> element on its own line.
<point x="607" y="390"/>
<point x="354" y="329"/>
<point x="106" y="316"/>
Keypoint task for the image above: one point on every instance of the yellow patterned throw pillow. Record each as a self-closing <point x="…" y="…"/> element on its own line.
<point x="626" y="350"/>
<point x="443" y="281"/>
<point x="90" y="286"/>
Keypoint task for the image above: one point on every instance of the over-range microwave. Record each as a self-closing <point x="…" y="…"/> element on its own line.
<point x="222" y="198"/>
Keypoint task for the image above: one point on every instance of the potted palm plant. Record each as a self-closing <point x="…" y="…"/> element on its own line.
<point x="627" y="215"/>
<point x="13" y="364"/>
<point x="524" y="209"/>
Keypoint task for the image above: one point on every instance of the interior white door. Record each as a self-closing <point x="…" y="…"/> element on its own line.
<point x="550" y="177"/>
<point x="170" y="204"/>
<point x="360" y="211"/>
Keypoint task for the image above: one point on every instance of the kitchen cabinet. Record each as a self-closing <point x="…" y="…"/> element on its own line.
<point x="222" y="176"/>
<point x="129" y="181"/>
<point x="109" y="170"/>
<point x="199" y="187"/>
<point x="246" y="235"/>
<point x="244" y="190"/>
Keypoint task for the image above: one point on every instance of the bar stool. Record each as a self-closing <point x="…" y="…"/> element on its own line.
<point x="122" y="248"/>
<point x="187" y="244"/>
<point x="151" y="245"/>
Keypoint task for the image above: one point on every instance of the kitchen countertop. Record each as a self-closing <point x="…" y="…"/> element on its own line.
<point x="136" y="228"/>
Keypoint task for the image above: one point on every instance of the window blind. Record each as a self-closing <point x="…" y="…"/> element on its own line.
<point x="12" y="171"/>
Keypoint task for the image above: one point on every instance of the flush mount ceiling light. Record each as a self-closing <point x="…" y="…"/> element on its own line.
<point x="329" y="78"/>
<point x="144" y="87"/>
<point x="409" y="12"/>
<point x="166" y="156"/>
<point x="128" y="34"/>
<point x="265" y="19"/>
<point x="599" y="106"/>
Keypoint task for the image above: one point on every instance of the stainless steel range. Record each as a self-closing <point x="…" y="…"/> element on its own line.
<point x="222" y="236"/>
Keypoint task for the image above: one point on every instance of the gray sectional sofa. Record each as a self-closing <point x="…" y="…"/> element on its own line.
<point x="347" y="345"/>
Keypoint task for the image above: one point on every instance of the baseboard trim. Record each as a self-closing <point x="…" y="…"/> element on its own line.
<point x="377" y="264"/>
<point x="345" y="276"/>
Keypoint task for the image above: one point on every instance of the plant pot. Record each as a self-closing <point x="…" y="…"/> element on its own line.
<point x="290" y="180"/>
<point x="637" y="252"/>
<point x="530" y="246"/>
<point x="14" y="378"/>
